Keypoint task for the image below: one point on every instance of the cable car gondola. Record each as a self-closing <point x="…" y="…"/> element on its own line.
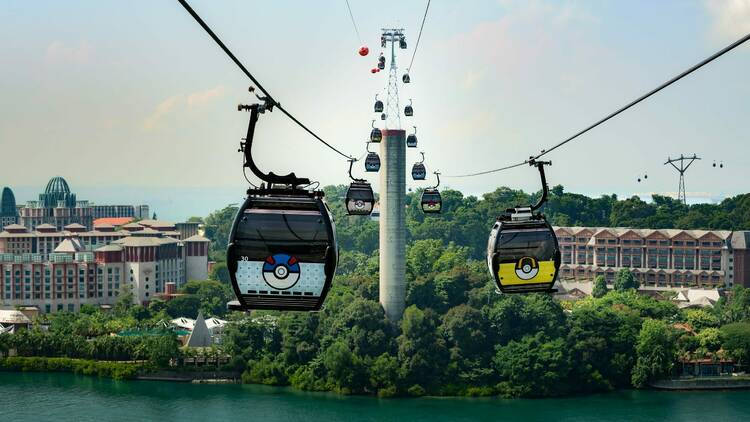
<point x="411" y="140"/>
<point x="408" y="110"/>
<point x="381" y="62"/>
<point x="406" y="79"/>
<point x="372" y="161"/>
<point x="431" y="201"/>
<point x="402" y="43"/>
<point x="375" y="134"/>
<point x="522" y="251"/>
<point x="378" y="105"/>
<point x="282" y="250"/>
<point x="359" y="196"/>
<point x="418" y="170"/>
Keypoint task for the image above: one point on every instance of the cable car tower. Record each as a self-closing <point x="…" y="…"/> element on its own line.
<point x="681" y="165"/>
<point x="392" y="111"/>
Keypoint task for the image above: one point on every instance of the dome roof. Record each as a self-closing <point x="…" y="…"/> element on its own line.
<point x="57" y="185"/>
<point x="7" y="203"/>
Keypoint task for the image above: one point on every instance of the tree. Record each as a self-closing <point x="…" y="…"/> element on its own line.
<point x="710" y="339"/>
<point x="220" y="272"/>
<point x="625" y="280"/>
<point x="184" y="306"/>
<point x="656" y="351"/>
<point x="700" y="319"/>
<point x="600" y="287"/>
<point x="535" y="366"/>
<point x="736" y="341"/>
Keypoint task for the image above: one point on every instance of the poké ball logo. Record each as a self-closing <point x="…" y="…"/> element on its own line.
<point x="527" y="268"/>
<point x="281" y="271"/>
<point x="359" y="204"/>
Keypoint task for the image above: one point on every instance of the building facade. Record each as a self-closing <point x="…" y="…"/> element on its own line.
<point x="59" y="207"/>
<point x="8" y="209"/>
<point x="665" y="258"/>
<point x="61" y="270"/>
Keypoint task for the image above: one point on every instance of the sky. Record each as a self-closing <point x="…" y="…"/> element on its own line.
<point x="131" y="102"/>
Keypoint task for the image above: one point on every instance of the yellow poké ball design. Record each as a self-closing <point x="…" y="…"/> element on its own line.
<point x="527" y="268"/>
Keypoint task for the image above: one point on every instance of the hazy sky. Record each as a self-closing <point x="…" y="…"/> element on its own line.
<point x="134" y="94"/>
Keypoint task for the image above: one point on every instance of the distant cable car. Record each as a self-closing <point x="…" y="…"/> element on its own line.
<point x="363" y="51"/>
<point x="374" y="70"/>
<point x="383" y="116"/>
<point x="522" y="251"/>
<point x="431" y="201"/>
<point x="411" y="140"/>
<point x="375" y="134"/>
<point x="359" y="196"/>
<point x="406" y="79"/>
<point x="381" y="62"/>
<point x="282" y="250"/>
<point x="721" y="164"/>
<point x="402" y="43"/>
<point x="418" y="170"/>
<point x="372" y="161"/>
<point x="382" y="41"/>
<point x="408" y="110"/>
<point x="378" y="105"/>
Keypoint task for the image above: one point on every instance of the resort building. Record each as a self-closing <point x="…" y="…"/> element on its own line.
<point x="55" y="270"/>
<point x="58" y="206"/>
<point x="664" y="258"/>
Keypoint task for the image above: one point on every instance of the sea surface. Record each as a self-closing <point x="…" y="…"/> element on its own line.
<point x="67" y="397"/>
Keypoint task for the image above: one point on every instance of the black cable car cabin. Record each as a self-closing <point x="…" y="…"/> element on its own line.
<point x="418" y="171"/>
<point x="378" y="105"/>
<point x="411" y="140"/>
<point x="406" y="79"/>
<point x="372" y="162"/>
<point x="375" y="134"/>
<point x="282" y="253"/>
<point x="431" y="201"/>
<point x="282" y="250"/>
<point x="402" y="43"/>
<point x="523" y="255"/>
<point x="359" y="197"/>
<point x="408" y="110"/>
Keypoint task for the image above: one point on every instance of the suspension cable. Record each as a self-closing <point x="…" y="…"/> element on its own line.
<point x="247" y="73"/>
<point x="419" y="37"/>
<point x="687" y="72"/>
<point x="351" y="15"/>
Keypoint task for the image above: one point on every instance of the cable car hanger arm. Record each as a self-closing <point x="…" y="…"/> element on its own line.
<point x="246" y="147"/>
<point x="545" y="189"/>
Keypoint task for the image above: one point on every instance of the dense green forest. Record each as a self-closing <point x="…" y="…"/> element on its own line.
<point x="457" y="336"/>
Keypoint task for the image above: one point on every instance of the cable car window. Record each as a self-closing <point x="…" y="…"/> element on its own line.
<point x="282" y="225"/>
<point x="514" y="245"/>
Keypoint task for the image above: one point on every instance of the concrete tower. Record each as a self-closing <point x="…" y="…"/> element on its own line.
<point x="393" y="223"/>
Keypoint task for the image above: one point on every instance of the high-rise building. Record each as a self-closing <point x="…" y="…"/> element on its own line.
<point x="8" y="209"/>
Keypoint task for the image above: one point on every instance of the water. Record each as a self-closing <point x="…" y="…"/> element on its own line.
<point x="66" y="397"/>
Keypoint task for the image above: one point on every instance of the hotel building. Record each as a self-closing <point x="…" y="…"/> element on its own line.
<point x="60" y="270"/>
<point x="664" y="258"/>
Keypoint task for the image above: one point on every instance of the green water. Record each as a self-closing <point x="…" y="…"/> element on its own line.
<point x="65" y="397"/>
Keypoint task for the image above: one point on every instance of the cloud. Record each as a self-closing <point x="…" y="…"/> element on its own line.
<point x="731" y="18"/>
<point x="197" y="99"/>
<point x="180" y="103"/>
<point x="59" y="52"/>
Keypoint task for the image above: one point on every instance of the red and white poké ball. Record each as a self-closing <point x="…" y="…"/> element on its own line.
<point x="363" y="51"/>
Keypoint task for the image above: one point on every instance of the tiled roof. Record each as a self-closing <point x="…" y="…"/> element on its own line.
<point x="669" y="233"/>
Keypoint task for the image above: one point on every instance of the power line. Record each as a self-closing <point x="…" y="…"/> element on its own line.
<point x="351" y="15"/>
<point x="629" y="105"/>
<point x="247" y="73"/>
<point x="419" y="37"/>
